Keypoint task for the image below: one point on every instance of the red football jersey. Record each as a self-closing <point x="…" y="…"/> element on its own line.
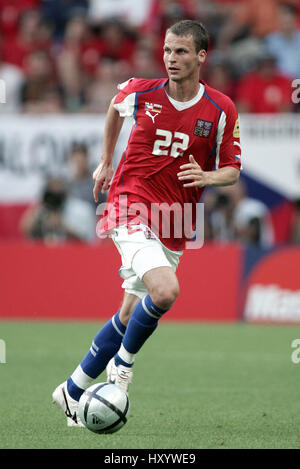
<point x="161" y="140"/>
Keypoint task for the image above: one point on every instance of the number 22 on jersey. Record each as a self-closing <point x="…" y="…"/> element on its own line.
<point x="167" y="146"/>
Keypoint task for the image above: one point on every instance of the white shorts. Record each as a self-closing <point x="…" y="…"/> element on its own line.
<point x="141" y="251"/>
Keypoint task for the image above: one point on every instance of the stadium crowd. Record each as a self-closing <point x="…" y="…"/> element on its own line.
<point x="67" y="56"/>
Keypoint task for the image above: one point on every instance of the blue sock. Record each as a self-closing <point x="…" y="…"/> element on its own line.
<point x="142" y="324"/>
<point x="105" y="344"/>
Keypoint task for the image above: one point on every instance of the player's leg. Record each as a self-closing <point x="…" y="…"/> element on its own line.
<point x="104" y="346"/>
<point x="162" y="285"/>
<point x="129" y="302"/>
<point x="148" y="270"/>
<point x="163" y="289"/>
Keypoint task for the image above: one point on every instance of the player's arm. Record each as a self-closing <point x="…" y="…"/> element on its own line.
<point x="225" y="176"/>
<point x="104" y="171"/>
<point x="228" y="149"/>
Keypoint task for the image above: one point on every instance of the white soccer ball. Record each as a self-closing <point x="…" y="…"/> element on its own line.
<point x="104" y="408"/>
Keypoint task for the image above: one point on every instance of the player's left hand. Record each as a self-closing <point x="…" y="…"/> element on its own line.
<point x="193" y="170"/>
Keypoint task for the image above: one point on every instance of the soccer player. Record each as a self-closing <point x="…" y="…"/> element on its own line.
<point x="185" y="136"/>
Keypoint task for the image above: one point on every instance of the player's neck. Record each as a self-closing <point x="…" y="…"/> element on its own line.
<point x="182" y="91"/>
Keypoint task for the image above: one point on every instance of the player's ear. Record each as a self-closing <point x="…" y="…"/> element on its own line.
<point x="202" y="56"/>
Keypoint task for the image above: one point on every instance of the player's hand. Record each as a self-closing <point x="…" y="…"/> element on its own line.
<point x="193" y="170"/>
<point x="102" y="177"/>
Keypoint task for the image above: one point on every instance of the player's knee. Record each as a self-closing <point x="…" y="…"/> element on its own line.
<point x="164" y="296"/>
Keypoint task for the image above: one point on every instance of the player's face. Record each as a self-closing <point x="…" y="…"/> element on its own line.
<point x="180" y="57"/>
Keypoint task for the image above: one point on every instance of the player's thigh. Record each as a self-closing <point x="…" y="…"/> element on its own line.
<point x="128" y="304"/>
<point x="162" y="285"/>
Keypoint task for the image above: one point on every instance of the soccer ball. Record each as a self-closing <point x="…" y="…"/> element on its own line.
<point x="104" y="408"/>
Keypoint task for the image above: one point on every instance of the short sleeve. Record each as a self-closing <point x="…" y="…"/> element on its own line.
<point x="125" y="99"/>
<point x="228" y="139"/>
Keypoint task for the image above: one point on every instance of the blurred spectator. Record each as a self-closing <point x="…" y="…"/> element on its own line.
<point x="103" y="86"/>
<point x="244" y="29"/>
<point x="215" y="14"/>
<point x="264" y="90"/>
<point x="218" y="74"/>
<point x="30" y="37"/>
<point x="79" y="218"/>
<point x="57" y="13"/>
<point x="143" y="59"/>
<point x="50" y="102"/>
<point x="117" y="44"/>
<point x="59" y="217"/>
<point x="163" y="13"/>
<point x="252" y="224"/>
<point x="10" y="13"/>
<point x="40" y="91"/>
<point x="69" y="62"/>
<point x="251" y="18"/>
<point x="218" y="208"/>
<point x="80" y="184"/>
<point x="231" y="215"/>
<point x="251" y="220"/>
<point x="254" y="18"/>
<point x="113" y="40"/>
<point x="13" y="79"/>
<point x="285" y="43"/>
<point x="44" y="221"/>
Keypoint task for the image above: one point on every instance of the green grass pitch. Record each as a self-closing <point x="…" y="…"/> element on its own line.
<point x="195" y="386"/>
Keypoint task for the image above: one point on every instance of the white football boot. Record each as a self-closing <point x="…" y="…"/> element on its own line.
<point x="119" y="375"/>
<point x="69" y="406"/>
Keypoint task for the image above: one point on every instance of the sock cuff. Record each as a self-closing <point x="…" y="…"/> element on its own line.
<point x="80" y="378"/>
<point x="124" y="357"/>
<point x="74" y="391"/>
<point x="118" y="326"/>
<point x="151" y="308"/>
<point x="152" y="325"/>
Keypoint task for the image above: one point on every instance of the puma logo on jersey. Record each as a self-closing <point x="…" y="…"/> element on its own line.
<point x="150" y="115"/>
<point x="154" y="108"/>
